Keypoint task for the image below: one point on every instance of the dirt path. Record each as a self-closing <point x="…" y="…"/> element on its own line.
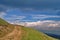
<point x="14" y="35"/>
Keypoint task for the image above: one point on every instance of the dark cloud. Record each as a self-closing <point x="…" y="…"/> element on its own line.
<point x="34" y="4"/>
<point x="31" y="3"/>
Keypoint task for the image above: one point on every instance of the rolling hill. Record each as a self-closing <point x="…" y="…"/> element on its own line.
<point x="17" y="32"/>
<point x="3" y="22"/>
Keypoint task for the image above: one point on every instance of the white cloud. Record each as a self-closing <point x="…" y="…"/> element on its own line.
<point x="38" y="24"/>
<point x="54" y="25"/>
<point x="18" y="17"/>
<point x="15" y="17"/>
<point x="44" y="16"/>
<point x="2" y="14"/>
<point x="46" y="23"/>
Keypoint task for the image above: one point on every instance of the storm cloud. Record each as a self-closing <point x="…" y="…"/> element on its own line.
<point x="35" y="4"/>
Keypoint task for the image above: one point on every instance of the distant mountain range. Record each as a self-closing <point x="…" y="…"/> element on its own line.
<point x="54" y="30"/>
<point x="53" y="35"/>
<point x="50" y="31"/>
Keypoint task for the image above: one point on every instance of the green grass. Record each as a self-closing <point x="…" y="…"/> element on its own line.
<point x="3" y="22"/>
<point x="30" y="34"/>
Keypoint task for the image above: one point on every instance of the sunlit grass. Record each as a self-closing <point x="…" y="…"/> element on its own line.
<point x="31" y="34"/>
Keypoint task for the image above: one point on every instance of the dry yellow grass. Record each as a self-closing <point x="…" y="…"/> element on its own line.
<point x="14" y="35"/>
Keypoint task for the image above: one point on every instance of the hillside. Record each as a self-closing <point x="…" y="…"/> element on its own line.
<point x="3" y="22"/>
<point x="5" y="28"/>
<point x="31" y="34"/>
<point x="17" y="32"/>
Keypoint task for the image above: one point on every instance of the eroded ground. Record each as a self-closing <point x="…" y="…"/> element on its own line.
<point x="14" y="35"/>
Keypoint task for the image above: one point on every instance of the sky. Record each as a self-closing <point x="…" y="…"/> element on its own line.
<point x="31" y="12"/>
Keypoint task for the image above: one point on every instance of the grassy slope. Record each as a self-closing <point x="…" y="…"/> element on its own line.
<point x="5" y="28"/>
<point x="30" y="34"/>
<point x="3" y="22"/>
<point x="27" y="33"/>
